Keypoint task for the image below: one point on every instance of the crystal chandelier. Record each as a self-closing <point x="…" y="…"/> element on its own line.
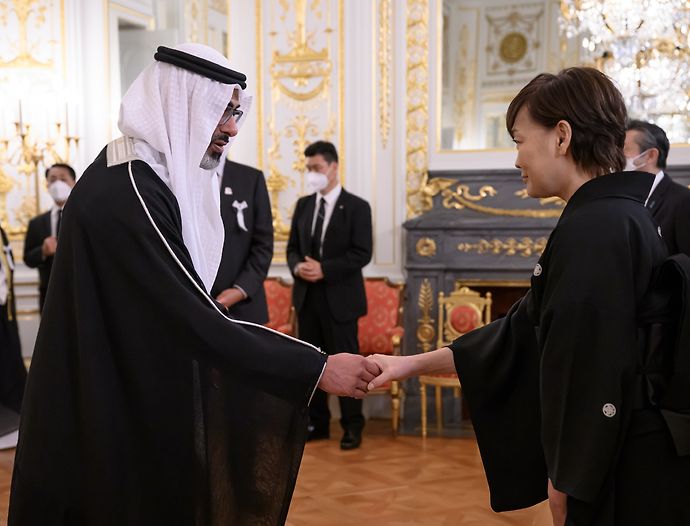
<point x="644" y="46"/>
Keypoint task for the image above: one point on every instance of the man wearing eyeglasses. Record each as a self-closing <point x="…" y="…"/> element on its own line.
<point x="147" y="403"/>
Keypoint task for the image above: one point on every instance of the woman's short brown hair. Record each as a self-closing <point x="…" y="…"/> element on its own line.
<point x="592" y="105"/>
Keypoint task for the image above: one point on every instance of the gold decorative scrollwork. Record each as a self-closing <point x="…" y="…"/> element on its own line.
<point x="385" y="44"/>
<point x="218" y="5"/>
<point x="276" y="183"/>
<point x="463" y="191"/>
<point x="425" y="327"/>
<point x="525" y="247"/>
<point x="24" y="10"/>
<point x="417" y="81"/>
<point x="300" y="128"/>
<point x="302" y="63"/>
<point x="461" y="197"/>
<point x="301" y="69"/>
<point x="426" y="247"/>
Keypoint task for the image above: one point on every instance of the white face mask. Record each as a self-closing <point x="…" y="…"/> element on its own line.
<point x="315" y="182"/>
<point x="630" y="165"/>
<point x="59" y="190"/>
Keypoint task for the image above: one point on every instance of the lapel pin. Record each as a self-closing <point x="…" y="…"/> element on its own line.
<point x="228" y="190"/>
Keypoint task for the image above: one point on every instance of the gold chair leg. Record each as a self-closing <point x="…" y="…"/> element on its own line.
<point x="439" y="413"/>
<point x="422" y="389"/>
<point x="395" y="406"/>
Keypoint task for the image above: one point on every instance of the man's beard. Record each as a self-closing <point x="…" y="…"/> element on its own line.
<point x="211" y="159"/>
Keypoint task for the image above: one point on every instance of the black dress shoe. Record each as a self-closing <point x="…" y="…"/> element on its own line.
<point x="351" y="440"/>
<point x="317" y="434"/>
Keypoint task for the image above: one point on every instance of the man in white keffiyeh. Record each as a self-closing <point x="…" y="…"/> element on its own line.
<point x="146" y="403"/>
<point x="182" y="123"/>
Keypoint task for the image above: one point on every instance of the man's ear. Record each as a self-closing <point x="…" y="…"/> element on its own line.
<point x="654" y="156"/>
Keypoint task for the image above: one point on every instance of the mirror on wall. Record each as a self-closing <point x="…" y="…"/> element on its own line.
<point x="489" y="50"/>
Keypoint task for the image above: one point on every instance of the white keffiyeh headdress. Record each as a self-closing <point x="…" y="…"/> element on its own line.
<point x="171" y="113"/>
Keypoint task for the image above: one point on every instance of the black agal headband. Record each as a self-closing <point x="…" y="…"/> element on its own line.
<point x="201" y="66"/>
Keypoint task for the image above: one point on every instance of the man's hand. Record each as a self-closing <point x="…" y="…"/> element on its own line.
<point x="229" y="297"/>
<point x="49" y="246"/>
<point x="348" y="375"/>
<point x="310" y="270"/>
<point x="558" y="502"/>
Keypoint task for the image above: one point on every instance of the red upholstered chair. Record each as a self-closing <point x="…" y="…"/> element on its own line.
<point x="458" y="313"/>
<point x="380" y="331"/>
<point x="281" y="314"/>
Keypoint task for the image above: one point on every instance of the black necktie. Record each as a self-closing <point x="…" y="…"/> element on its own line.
<point x="318" y="230"/>
<point x="59" y="220"/>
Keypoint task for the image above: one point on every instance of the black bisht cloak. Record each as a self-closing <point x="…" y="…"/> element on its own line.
<point x="12" y="371"/>
<point x="145" y="405"/>
<point x="553" y="387"/>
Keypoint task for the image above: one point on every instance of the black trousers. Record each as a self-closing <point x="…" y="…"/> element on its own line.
<point x="317" y="326"/>
<point x="650" y="486"/>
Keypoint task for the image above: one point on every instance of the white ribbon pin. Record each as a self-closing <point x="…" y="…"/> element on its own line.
<point x="240" y="207"/>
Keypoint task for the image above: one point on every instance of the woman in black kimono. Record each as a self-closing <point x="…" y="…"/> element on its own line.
<point x="554" y="388"/>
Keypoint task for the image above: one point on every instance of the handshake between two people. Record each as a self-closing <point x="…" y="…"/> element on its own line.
<point x="354" y="375"/>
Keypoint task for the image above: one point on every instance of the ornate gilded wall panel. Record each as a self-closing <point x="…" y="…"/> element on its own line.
<point x="299" y="95"/>
<point x="417" y="111"/>
<point x="385" y="43"/>
<point x="37" y="117"/>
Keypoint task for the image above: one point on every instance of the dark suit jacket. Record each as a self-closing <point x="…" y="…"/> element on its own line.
<point x="246" y="255"/>
<point x="38" y="230"/>
<point x="346" y="249"/>
<point x="670" y="207"/>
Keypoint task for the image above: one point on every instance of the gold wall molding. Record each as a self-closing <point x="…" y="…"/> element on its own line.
<point x="385" y="42"/>
<point x="426" y="247"/>
<point x="303" y="51"/>
<point x="463" y="99"/>
<point x="425" y="325"/>
<point x="25" y="11"/>
<point x="524" y="247"/>
<point x="33" y="77"/>
<point x="196" y="18"/>
<point x="417" y="110"/>
<point x="219" y="5"/>
<point x="461" y="197"/>
<point x="301" y="63"/>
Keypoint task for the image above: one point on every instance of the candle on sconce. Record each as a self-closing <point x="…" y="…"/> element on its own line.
<point x="66" y="120"/>
<point x="21" y="118"/>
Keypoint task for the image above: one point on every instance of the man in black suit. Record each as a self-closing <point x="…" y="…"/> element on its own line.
<point x="248" y="248"/>
<point x="646" y="149"/>
<point x="330" y="242"/>
<point x="42" y="234"/>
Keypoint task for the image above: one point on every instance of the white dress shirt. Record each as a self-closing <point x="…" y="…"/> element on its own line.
<point x="3" y="283"/>
<point x="54" y="213"/>
<point x="331" y="198"/>
<point x="657" y="180"/>
<point x="6" y="265"/>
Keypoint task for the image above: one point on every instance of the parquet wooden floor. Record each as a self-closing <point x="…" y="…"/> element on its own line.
<point x="387" y="482"/>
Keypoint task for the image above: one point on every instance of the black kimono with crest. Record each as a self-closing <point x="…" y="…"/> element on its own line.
<point x="145" y="404"/>
<point x="554" y="388"/>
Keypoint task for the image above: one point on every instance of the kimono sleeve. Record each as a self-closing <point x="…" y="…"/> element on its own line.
<point x="498" y="368"/>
